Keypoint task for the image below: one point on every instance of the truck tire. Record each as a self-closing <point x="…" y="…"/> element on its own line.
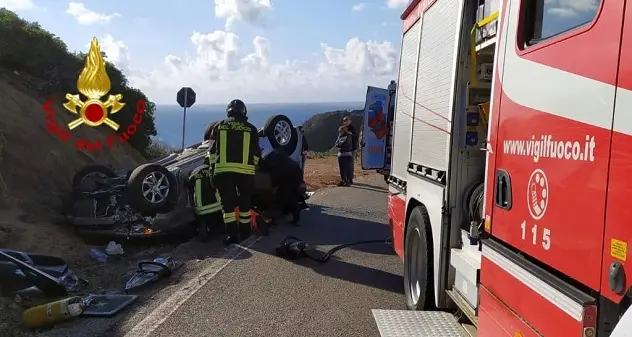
<point x="152" y="188"/>
<point x="281" y="133"/>
<point x="87" y="179"/>
<point x="417" y="289"/>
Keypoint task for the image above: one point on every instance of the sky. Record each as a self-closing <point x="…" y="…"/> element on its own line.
<point x="262" y="51"/>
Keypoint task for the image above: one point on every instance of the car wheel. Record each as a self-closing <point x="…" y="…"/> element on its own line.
<point x="281" y="133"/>
<point x="417" y="263"/>
<point x="89" y="178"/>
<point x="151" y="188"/>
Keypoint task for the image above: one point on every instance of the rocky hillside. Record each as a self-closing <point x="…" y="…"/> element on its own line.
<point x="321" y="129"/>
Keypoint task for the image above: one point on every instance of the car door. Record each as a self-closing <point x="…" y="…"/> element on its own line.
<point x="375" y="129"/>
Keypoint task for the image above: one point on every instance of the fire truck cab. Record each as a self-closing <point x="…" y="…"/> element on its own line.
<point x="511" y="169"/>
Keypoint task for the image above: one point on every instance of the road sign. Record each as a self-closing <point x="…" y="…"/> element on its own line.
<point x="186" y="97"/>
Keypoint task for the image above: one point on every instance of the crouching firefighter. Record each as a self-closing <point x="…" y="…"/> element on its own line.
<point x="208" y="209"/>
<point x="233" y="156"/>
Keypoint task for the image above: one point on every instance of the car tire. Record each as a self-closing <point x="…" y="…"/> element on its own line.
<point x="281" y="133"/>
<point x="152" y="188"/>
<point x="86" y="178"/>
<point x="417" y="277"/>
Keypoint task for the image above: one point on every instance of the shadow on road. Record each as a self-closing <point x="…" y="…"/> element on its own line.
<point x="323" y="230"/>
<point x="370" y="187"/>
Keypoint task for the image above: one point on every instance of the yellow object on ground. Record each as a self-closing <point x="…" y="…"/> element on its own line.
<point x="54" y="312"/>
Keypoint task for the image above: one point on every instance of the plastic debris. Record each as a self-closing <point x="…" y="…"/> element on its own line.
<point x="151" y="271"/>
<point x="114" y="248"/>
<point x="98" y="255"/>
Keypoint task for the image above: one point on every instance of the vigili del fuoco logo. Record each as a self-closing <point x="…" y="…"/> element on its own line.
<point x="89" y="108"/>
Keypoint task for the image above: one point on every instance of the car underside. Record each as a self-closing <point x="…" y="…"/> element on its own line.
<point x="155" y="199"/>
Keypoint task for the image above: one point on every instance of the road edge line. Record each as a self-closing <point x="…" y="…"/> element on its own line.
<point x="159" y="315"/>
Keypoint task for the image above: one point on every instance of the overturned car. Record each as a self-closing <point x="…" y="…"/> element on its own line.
<point x="155" y="199"/>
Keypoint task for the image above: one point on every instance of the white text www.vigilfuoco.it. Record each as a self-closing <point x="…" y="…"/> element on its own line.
<point x="546" y="147"/>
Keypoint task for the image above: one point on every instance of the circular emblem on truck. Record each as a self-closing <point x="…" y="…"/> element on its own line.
<point x="537" y="194"/>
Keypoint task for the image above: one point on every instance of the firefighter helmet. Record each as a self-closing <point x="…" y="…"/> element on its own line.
<point x="236" y="107"/>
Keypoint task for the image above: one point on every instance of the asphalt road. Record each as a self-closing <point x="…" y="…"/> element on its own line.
<point x="259" y="294"/>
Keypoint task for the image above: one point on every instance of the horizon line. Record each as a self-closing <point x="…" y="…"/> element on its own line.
<point x="285" y="103"/>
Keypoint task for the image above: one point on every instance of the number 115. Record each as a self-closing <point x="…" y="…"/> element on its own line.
<point x="546" y="235"/>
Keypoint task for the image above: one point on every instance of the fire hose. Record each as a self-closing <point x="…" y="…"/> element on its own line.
<point x="293" y="248"/>
<point x="473" y="205"/>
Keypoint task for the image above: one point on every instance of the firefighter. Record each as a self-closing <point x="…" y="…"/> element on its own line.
<point x="208" y="209"/>
<point x="233" y="156"/>
<point x="287" y="177"/>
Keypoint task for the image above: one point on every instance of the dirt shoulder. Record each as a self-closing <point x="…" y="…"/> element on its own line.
<point x="322" y="171"/>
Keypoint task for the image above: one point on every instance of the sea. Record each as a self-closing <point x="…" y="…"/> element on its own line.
<point x="168" y="118"/>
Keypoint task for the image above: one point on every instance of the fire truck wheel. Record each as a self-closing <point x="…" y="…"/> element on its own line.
<point x="417" y="263"/>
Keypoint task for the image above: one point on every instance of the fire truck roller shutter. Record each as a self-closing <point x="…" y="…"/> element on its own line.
<point x="404" y="103"/>
<point x="435" y="78"/>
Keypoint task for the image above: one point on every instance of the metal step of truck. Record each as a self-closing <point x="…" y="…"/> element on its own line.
<point x="406" y="323"/>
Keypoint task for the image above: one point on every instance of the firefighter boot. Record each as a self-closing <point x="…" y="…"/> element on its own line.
<point x="232" y="230"/>
<point x="244" y="225"/>
<point x="204" y="233"/>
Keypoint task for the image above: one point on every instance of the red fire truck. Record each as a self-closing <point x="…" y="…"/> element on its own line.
<point x="511" y="169"/>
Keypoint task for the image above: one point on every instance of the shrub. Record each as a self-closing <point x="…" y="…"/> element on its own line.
<point x="28" y="48"/>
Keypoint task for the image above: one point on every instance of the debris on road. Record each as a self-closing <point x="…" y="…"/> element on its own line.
<point x="98" y="255"/>
<point x="25" y="275"/>
<point x="53" y="312"/>
<point x="106" y="305"/>
<point x="114" y="248"/>
<point x="150" y="272"/>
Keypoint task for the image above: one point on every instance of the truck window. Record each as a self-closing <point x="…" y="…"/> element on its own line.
<point x="545" y="19"/>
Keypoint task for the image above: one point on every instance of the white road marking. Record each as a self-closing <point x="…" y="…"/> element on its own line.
<point x="152" y="321"/>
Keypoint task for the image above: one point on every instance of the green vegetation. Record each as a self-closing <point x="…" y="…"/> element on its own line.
<point x="29" y="49"/>
<point x="158" y="149"/>
<point x="321" y="130"/>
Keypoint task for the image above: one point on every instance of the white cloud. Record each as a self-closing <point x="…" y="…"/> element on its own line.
<point x="17" y="5"/>
<point x="571" y="8"/>
<point x="252" y="12"/>
<point x="115" y="51"/>
<point x="358" y="7"/>
<point x="87" y="17"/>
<point x="396" y="3"/>
<point x="223" y="68"/>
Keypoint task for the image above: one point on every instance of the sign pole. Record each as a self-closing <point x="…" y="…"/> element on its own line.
<point x="184" y="117"/>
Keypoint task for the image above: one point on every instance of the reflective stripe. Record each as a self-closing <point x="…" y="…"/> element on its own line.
<point x="222" y="146"/>
<point x="208" y="209"/>
<point x="245" y="148"/>
<point x="234" y="167"/>
<point x="229" y="217"/>
<point x="556" y="297"/>
<point x="244" y="217"/>
<point x="255" y="160"/>
<point x="197" y="197"/>
<point x="200" y="208"/>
